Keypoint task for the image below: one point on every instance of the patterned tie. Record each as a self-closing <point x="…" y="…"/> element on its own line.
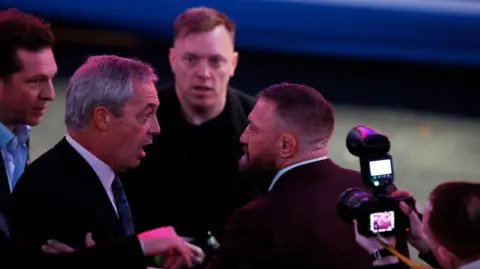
<point x="123" y="208"/>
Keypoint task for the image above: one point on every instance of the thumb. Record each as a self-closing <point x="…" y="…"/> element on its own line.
<point x="409" y="212"/>
<point x="89" y="240"/>
<point x="405" y="208"/>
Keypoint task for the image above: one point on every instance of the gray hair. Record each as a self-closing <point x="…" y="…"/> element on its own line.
<point x="105" y="80"/>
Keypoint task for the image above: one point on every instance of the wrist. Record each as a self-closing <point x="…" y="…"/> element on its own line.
<point x="386" y="261"/>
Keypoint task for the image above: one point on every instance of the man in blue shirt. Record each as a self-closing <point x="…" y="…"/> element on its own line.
<point x="26" y="72"/>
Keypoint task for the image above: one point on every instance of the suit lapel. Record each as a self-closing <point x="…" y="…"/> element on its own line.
<point x="4" y="186"/>
<point x="92" y="189"/>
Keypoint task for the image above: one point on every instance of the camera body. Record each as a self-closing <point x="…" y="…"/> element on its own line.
<point x="376" y="211"/>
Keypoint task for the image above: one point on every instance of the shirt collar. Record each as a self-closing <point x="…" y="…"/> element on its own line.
<point x="284" y="170"/>
<point x="21" y="131"/>
<point x="104" y="172"/>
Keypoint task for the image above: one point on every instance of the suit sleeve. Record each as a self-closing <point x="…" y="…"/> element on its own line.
<point x="34" y="215"/>
<point x="126" y="253"/>
<point x="244" y="244"/>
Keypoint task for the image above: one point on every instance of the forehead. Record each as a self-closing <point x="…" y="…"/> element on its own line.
<point x="262" y="112"/>
<point x="146" y="94"/>
<point x="40" y="62"/>
<point x="216" y="41"/>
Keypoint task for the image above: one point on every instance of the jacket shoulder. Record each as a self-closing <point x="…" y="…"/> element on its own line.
<point x="246" y="100"/>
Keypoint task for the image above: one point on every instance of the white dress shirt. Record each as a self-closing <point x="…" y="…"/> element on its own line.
<point x="104" y="172"/>
<point x="285" y="169"/>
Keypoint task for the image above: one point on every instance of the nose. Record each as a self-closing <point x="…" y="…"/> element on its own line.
<point x="203" y="70"/>
<point x="48" y="92"/>
<point x="244" y="138"/>
<point x="154" y="127"/>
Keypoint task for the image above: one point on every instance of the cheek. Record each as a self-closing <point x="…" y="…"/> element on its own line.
<point x="222" y="75"/>
<point x="21" y="93"/>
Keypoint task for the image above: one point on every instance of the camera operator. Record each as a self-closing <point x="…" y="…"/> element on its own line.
<point x="448" y="237"/>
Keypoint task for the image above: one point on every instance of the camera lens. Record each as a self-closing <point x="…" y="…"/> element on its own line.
<point x="352" y="202"/>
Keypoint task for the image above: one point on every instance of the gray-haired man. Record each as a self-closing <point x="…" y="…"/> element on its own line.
<point x="73" y="188"/>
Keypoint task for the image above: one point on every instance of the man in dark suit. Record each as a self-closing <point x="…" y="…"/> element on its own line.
<point x="192" y="166"/>
<point x="27" y="67"/>
<point x="73" y="188"/>
<point x="295" y="224"/>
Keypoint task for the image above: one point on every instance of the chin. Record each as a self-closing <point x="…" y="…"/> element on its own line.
<point x="33" y="121"/>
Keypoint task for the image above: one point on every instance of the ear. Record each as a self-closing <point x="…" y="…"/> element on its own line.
<point x="101" y="118"/>
<point x="171" y="58"/>
<point x="287" y="145"/>
<point x="234" y="63"/>
<point x="445" y="255"/>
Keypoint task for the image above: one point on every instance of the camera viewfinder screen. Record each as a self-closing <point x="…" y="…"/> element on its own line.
<point x="382" y="221"/>
<point x="381" y="167"/>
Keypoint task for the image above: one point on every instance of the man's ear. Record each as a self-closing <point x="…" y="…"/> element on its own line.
<point x="101" y="117"/>
<point x="172" y="58"/>
<point x="234" y="63"/>
<point x="287" y="145"/>
<point x="446" y="256"/>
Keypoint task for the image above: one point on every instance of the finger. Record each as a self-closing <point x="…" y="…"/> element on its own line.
<point x="405" y="208"/>
<point x="355" y="227"/>
<point x="177" y="263"/>
<point x="169" y="261"/>
<point x="61" y="247"/>
<point x="185" y="251"/>
<point x="401" y="193"/>
<point x="408" y="210"/>
<point x="89" y="240"/>
<point x="49" y="249"/>
<point x="198" y="254"/>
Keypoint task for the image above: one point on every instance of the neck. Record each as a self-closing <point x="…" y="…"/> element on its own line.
<point x="200" y="115"/>
<point x="92" y="145"/>
<point x="7" y="123"/>
<point x="309" y="154"/>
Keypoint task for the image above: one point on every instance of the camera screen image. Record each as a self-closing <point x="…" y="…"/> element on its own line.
<point x="382" y="221"/>
<point x="381" y="167"/>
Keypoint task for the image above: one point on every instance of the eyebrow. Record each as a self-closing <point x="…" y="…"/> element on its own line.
<point x="41" y="75"/>
<point x="151" y="105"/>
<point x="208" y="56"/>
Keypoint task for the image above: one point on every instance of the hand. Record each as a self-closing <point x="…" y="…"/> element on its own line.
<point x="172" y="261"/>
<point x="165" y="242"/>
<point x="416" y="237"/>
<point x="55" y="247"/>
<point x="370" y="244"/>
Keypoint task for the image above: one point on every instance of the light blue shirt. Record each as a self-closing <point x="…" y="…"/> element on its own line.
<point x="14" y="149"/>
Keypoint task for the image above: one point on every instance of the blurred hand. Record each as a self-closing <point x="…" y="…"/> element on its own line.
<point x="166" y="243"/>
<point x="416" y="237"/>
<point x="55" y="247"/>
<point x="370" y="244"/>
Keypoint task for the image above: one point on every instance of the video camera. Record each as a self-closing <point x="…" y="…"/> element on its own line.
<point x="376" y="212"/>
